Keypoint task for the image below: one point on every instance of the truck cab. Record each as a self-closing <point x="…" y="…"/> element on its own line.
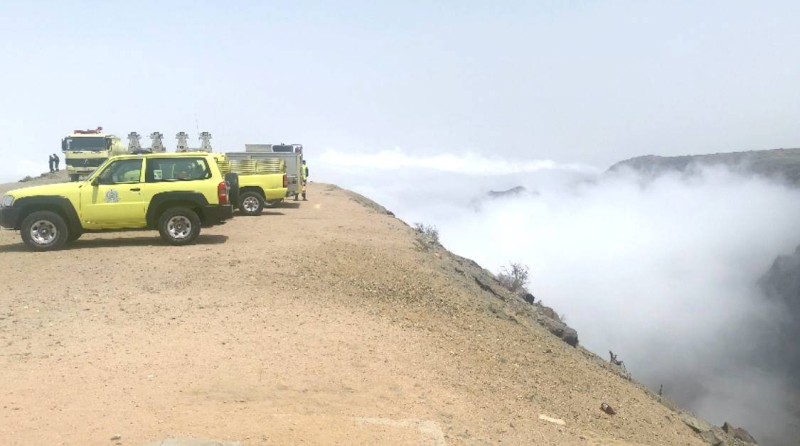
<point x="85" y="150"/>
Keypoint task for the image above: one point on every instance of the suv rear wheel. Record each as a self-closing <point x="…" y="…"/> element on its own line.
<point x="179" y="226"/>
<point x="44" y="231"/>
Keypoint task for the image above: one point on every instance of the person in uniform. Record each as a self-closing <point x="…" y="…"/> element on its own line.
<point x="51" y="163"/>
<point x="305" y="179"/>
<point x="56" y="161"/>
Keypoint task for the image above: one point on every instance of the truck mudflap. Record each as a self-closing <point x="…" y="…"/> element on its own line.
<point x="9" y="218"/>
<point x="217" y="214"/>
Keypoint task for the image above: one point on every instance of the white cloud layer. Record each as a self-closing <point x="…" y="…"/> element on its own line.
<point x="468" y="163"/>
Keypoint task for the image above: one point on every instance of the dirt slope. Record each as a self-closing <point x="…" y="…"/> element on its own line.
<point x="324" y="322"/>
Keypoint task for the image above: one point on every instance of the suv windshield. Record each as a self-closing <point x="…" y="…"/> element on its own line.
<point x="92" y="144"/>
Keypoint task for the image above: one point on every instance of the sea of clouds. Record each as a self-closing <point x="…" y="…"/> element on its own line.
<point x="662" y="270"/>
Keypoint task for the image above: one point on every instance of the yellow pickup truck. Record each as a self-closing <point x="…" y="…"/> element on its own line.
<point x="175" y="193"/>
<point x="259" y="190"/>
<point x="260" y="183"/>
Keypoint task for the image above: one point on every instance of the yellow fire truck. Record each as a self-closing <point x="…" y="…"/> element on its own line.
<point x="85" y="150"/>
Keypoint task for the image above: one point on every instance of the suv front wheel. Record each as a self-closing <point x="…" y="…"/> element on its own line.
<point x="44" y="231"/>
<point x="179" y="226"/>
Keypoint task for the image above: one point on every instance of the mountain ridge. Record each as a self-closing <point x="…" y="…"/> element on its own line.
<point x="778" y="164"/>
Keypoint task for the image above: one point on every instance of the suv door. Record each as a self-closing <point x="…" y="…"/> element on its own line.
<point x="114" y="199"/>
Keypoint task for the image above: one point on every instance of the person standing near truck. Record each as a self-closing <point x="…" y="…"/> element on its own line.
<point x="51" y="163"/>
<point x="56" y="160"/>
<point x="305" y="179"/>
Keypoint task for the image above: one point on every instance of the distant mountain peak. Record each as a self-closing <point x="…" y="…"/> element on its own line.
<point x="506" y="193"/>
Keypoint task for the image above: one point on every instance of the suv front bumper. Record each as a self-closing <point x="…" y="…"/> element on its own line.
<point x="9" y="217"/>
<point x="217" y="214"/>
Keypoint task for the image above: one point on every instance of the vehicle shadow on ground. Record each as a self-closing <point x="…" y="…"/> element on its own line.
<point x="202" y="239"/>
<point x="264" y="212"/>
<point x="288" y="205"/>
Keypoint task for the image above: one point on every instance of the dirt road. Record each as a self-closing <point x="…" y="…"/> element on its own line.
<point x="323" y="322"/>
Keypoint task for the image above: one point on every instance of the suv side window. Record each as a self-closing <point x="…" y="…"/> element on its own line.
<point x="176" y="169"/>
<point x="121" y="172"/>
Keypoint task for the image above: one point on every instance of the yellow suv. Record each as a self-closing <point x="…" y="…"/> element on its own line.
<point x="175" y="193"/>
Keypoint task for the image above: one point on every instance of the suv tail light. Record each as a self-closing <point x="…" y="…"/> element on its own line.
<point x="285" y="181"/>
<point x="222" y="193"/>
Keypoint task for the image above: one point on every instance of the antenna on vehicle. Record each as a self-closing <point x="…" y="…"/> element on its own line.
<point x="134" y="145"/>
<point x="157" y="145"/>
<point x="205" y="142"/>
<point x="183" y="141"/>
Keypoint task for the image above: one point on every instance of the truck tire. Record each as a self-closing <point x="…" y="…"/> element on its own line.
<point x="251" y="203"/>
<point x="74" y="235"/>
<point x="179" y="226"/>
<point x="44" y="231"/>
<point x="233" y="187"/>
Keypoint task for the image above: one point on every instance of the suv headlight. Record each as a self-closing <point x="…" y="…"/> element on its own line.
<point x="7" y="201"/>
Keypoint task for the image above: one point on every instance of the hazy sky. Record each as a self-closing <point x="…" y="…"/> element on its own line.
<point x="575" y="82"/>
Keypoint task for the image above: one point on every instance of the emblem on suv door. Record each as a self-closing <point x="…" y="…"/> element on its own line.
<point x="112" y="196"/>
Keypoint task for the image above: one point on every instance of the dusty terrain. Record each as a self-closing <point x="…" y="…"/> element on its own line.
<point x="324" y="322"/>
